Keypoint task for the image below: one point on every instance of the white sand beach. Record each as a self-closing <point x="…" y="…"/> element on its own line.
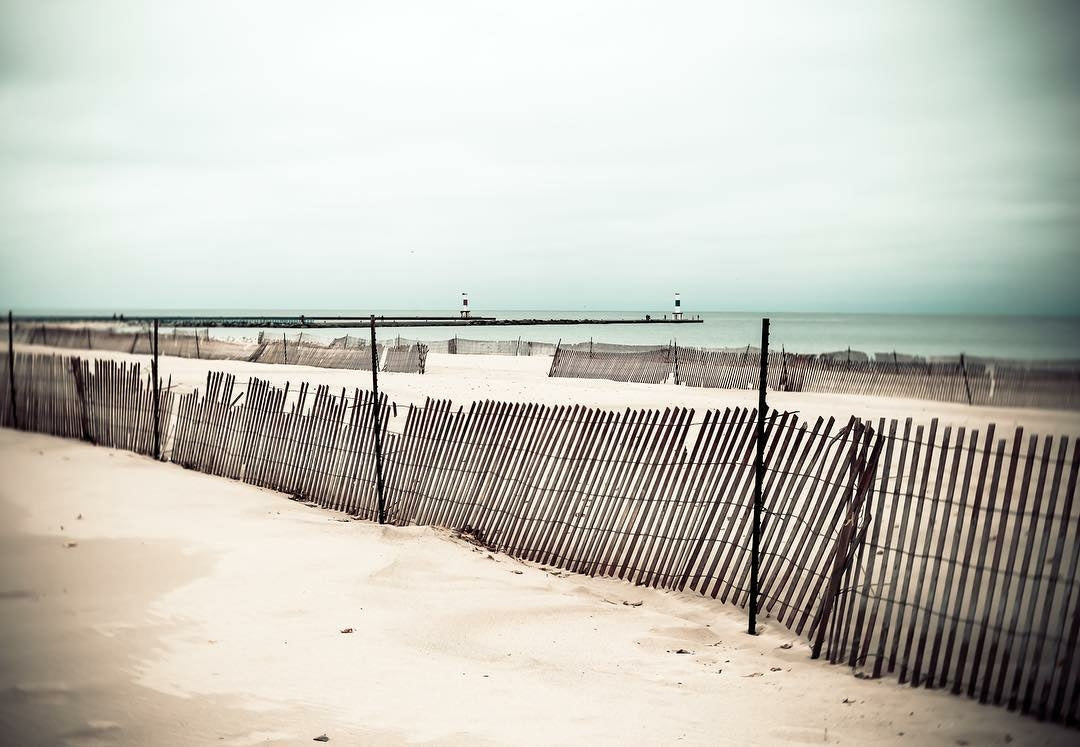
<point x="143" y="603"/>
<point x="186" y="609"/>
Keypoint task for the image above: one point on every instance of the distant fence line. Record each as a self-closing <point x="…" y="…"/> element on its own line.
<point x="344" y="352"/>
<point x="945" y="557"/>
<point x="960" y="379"/>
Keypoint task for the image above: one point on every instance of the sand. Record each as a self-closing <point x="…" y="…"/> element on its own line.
<point x="196" y="610"/>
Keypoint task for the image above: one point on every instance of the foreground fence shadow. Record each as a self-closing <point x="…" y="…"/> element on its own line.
<point x="944" y="557"/>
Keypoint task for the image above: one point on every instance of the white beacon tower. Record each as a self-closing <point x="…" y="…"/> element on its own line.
<point x="678" y="308"/>
<point x="464" y="305"/>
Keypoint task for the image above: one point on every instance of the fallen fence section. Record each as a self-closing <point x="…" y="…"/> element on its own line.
<point x="946" y="558"/>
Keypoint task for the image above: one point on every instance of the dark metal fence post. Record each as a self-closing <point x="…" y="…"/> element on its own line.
<point x="11" y="368"/>
<point x="157" y="396"/>
<point x="967" y="386"/>
<point x="376" y="420"/>
<point x="759" y="477"/>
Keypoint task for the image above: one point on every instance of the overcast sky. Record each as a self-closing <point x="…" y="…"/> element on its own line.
<point x="843" y="156"/>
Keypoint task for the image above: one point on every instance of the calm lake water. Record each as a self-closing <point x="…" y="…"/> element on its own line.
<point x="1003" y="336"/>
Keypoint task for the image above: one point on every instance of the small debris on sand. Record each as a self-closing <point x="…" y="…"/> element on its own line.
<point x="347" y="630"/>
<point x="755" y="674"/>
<point x="71" y="543"/>
<point x="774" y="669"/>
<point x="633" y="604"/>
<point x="79" y="517"/>
<point x="683" y="651"/>
<point x="785" y="645"/>
<point x="517" y="573"/>
<point x="321" y="738"/>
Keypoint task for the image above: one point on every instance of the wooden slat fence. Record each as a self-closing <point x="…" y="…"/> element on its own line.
<point x="179" y="343"/>
<point x="310" y="353"/>
<point x="978" y="381"/>
<point x="406" y="358"/>
<point x="647" y="367"/>
<point x="962" y="380"/>
<point x="319" y="447"/>
<point x="945" y="557"/>
<point x="103" y="402"/>
<point x="270" y="348"/>
<point x="967" y="577"/>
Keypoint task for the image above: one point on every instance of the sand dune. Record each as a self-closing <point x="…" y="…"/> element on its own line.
<point x="195" y="610"/>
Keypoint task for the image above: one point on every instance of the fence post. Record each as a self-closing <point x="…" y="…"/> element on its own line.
<point x="555" y="358"/>
<point x="759" y="476"/>
<point x="157" y="396"/>
<point x="376" y="421"/>
<point x="11" y="368"/>
<point x="285" y="343"/>
<point x="967" y="387"/>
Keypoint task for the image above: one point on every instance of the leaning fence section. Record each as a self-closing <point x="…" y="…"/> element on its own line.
<point x="944" y="557"/>
<point x="652" y="366"/>
<point x="406" y="358"/>
<point x="964" y="575"/>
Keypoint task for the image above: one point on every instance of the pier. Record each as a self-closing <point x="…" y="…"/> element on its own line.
<point x="304" y="321"/>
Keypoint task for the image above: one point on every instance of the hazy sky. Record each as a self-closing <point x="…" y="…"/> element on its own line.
<point x="847" y="156"/>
